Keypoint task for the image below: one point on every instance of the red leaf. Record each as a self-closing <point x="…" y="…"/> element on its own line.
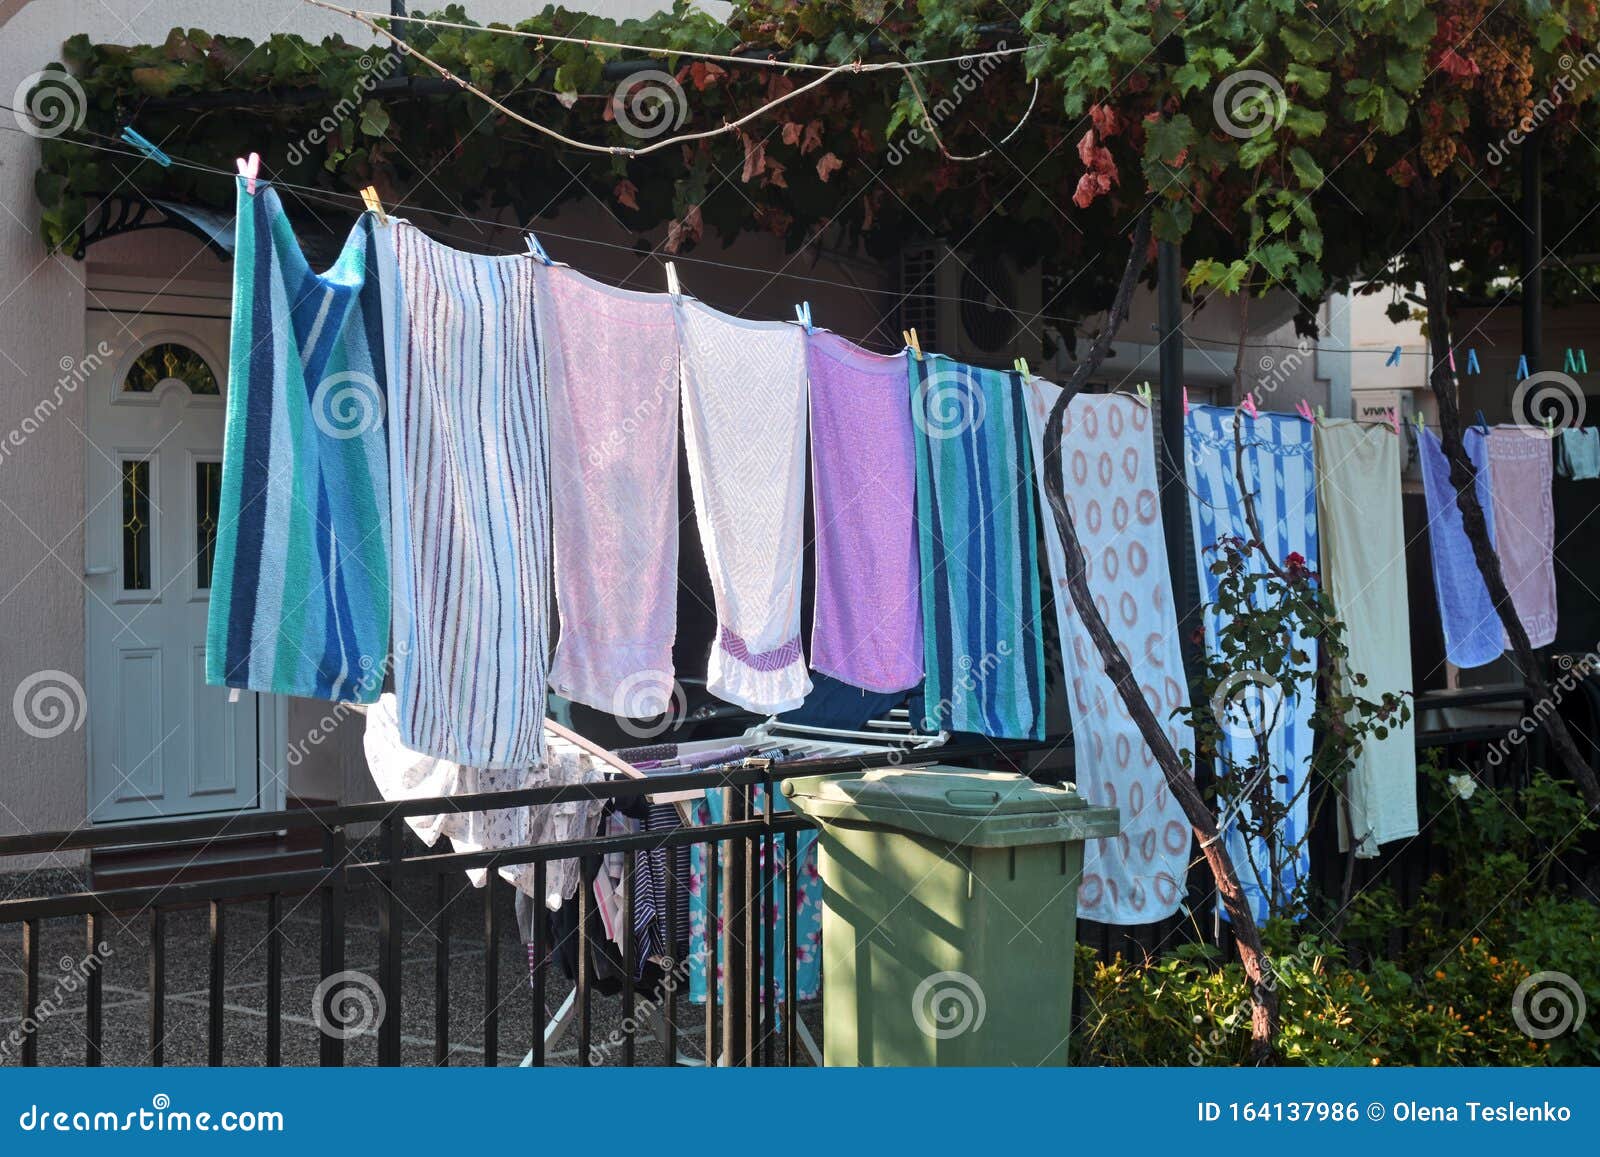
<point x="703" y="74"/>
<point x="755" y="157"/>
<point x="827" y="166"/>
<point x="813" y="138"/>
<point x="1457" y="65"/>
<point x="775" y="176"/>
<point x="626" y="193"/>
<point x="791" y="133"/>
<point x="1106" y="121"/>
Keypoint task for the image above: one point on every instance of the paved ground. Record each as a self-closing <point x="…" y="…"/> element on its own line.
<point x="62" y="1039"/>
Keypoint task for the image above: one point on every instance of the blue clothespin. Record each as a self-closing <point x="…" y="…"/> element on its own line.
<point x="1583" y="362"/>
<point x="802" y="314"/>
<point x="146" y="147"/>
<point x="1483" y="423"/>
<point x="1569" y="362"/>
<point x="1522" y="367"/>
<point x="536" y="251"/>
<point x="1472" y="362"/>
<point x="1394" y="358"/>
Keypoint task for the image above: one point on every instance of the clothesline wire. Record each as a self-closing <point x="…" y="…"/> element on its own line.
<point x="349" y="201"/>
<point x="855" y="67"/>
<point x="664" y="50"/>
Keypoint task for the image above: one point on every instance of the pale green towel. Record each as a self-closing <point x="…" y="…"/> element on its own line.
<point x="1364" y="570"/>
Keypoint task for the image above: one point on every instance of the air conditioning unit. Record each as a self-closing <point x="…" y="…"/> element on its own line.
<point x="975" y="307"/>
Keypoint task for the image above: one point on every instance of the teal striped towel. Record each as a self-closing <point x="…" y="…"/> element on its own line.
<point x="300" y="586"/>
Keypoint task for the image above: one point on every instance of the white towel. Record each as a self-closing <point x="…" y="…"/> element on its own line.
<point x="1109" y="468"/>
<point x="1362" y="535"/>
<point x="470" y="502"/>
<point x="611" y="360"/>
<point x="744" y="414"/>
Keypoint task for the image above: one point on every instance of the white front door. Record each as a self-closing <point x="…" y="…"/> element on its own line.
<point x="161" y="742"/>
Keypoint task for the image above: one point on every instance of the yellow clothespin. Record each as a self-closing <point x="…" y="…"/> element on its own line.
<point x="1145" y="394"/>
<point x="672" y="279"/>
<point x="911" y="340"/>
<point x="369" y="197"/>
<point x="1021" y="366"/>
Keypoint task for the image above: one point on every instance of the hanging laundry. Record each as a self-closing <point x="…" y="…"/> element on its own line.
<point x="470" y="499"/>
<point x="1578" y="453"/>
<point x="744" y="407"/>
<point x="1109" y="475"/>
<point x="1279" y="474"/>
<point x="300" y="585"/>
<point x="807" y="904"/>
<point x="1525" y="527"/>
<point x="1362" y="532"/>
<point x="401" y="773"/>
<point x="868" y="620"/>
<point x="1473" y="635"/>
<point x="978" y="537"/>
<point x="611" y="356"/>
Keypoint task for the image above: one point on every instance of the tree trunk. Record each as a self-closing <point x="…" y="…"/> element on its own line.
<point x="1264" y="996"/>
<point x="1436" y="292"/>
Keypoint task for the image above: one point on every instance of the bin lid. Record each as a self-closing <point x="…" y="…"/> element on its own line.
<point x="982" y="809"/>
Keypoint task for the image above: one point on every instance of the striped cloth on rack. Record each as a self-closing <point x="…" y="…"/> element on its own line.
<point x="1280" y="475"/>
<point x="470" y="499"/>
<point x="300" y="583"/>
<point x="978" y="533"/>
<point x="1520" y="476"/>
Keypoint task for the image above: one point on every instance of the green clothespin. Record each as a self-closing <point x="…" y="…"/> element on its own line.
<point x="1569" y="362"/>
<point x="1145" y="393"/>
<point x="1320" y="414"/>
<point x="1021" y="366"/>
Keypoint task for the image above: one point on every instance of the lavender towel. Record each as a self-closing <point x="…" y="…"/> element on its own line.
<point x="1525" y="525"/>
<point x="1472" y="634"/>
<point x="868" y="624"/>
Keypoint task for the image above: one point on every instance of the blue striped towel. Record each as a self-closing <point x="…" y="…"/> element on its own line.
<point x="470" y="502"/>
<point x="978" y="537"/>
<point x="1279" y="470"/>
<point x="1473" y="634"/>
<point x="300" y="585"/>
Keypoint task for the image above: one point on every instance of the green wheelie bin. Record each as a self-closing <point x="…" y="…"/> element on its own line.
<point x="950" y="902"/>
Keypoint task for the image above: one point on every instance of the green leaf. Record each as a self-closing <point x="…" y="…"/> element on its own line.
<point x="1306" y="168"/>
<point x="1312" y="81"/>
<point x="1165" y="140"/>
<point x="1190" y="76"/>
<point x="374" y="119"/>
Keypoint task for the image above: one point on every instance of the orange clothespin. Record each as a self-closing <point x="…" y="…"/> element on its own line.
<point x="249" y="169"/>
<point x="911" y="341"/>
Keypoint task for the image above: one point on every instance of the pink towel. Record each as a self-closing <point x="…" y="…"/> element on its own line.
<point x="868" y="625"/>
<point x="1525" y="525"/>
<point x="612" y="368"/>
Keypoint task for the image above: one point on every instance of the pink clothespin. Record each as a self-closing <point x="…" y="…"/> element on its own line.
<point x="1185" y="401"/>
<point x="1248" y="405"/>
<point x="1452" y="359"/>
<point x="1303" y="408"/>
<point x="1394" y="421"/>
<point x="249" y="168"/>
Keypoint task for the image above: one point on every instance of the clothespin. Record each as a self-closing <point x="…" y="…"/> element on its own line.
<point x="1320" y="414"/>
<point x="369" y="198"/>
<point x="233" y="694"/>
<point x="1185" y="401"/>
<point x="1472" y="362"/>
<point x="1569" y="362"/>
<point x="1583" y="362"/>
<point x="1483" y="423"/>
<point x="911" y="342"/>
<point x="1450" y="356"/>
<point x="146" y="147"/>
<point x="1146" y="394"/>
<point x="1303" y="408"/>
<point x="1522" y="366"/>
<point x="1021" y="366"/>
<point x="672" y="279"/>
<point x="802" y="314"/>
<point x="1394" y="358"/>
<point x="1421" y="425"/>
<point x="1394" y="420"/>
<point x="536" y="250"/>
<point x="1248" y="405"/>
<point x="249" y="169"/>
<point x="1549" y="424"/>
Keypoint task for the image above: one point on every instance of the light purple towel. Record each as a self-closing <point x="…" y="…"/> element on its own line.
<point x="868" y="626"/>
<point x="1472" y="633"/>
<point x="1525" y="525"/>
